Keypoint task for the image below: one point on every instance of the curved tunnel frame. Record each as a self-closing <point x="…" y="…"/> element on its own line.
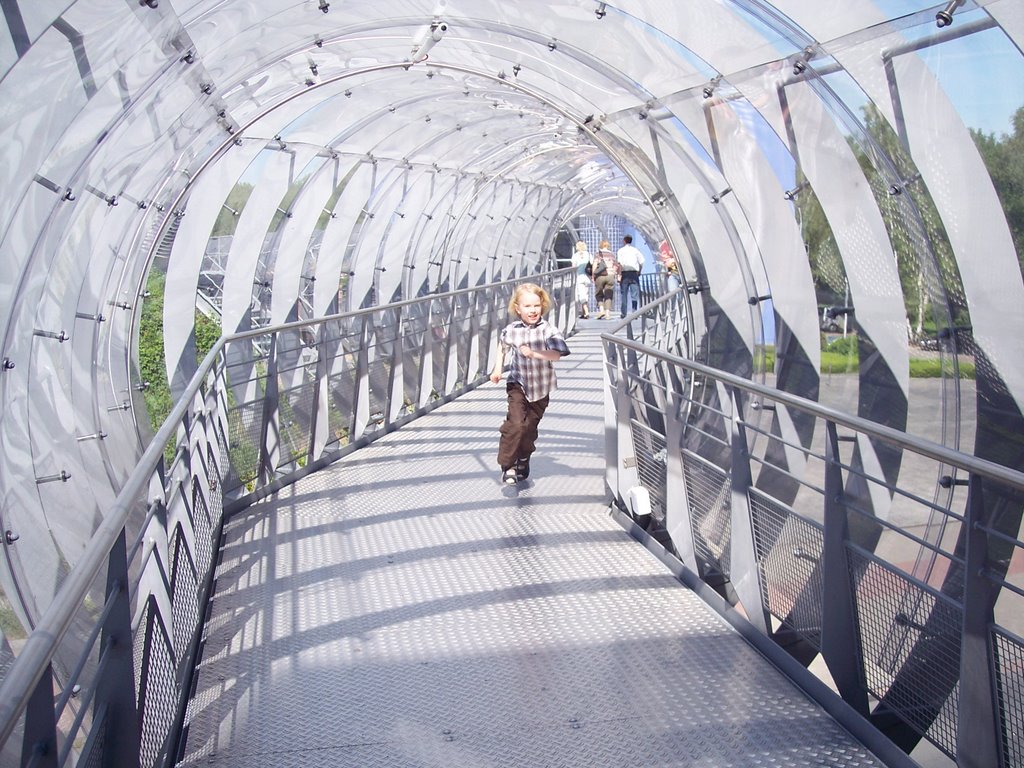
<point x="670" y="149"/>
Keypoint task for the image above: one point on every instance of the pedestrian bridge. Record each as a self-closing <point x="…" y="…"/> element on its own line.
<point x="315" y="564"/>
<point x="397" y="609"/>
<point x="256" y="255"/>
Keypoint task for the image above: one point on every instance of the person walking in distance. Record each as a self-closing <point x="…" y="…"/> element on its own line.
<point x="669" y="264"/>
<point x="604" y="280"/>
<point x="581" y="260"/>
<point x="631" y="261"/>
<point x="534" y="345"/>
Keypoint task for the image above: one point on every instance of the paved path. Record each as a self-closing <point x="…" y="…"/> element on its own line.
<point x="397" y="609"/>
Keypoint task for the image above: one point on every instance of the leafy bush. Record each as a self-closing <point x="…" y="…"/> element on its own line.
<point x="840" y="356"/>
<point x="207" y="331"/>
<point x="152" y="367"/>
<point x="847" y="345"/>
<point x="151" y="351"/>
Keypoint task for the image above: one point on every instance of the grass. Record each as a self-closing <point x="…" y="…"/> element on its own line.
<point x="922" y="368"/>
<point x="841" y="357"/>
<point x="838" y="362"/>
<point x="10" y="627"/>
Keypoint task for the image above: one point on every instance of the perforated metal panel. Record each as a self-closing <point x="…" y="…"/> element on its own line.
<point x="788" y="555"/>
<point x="910" y="643"/>
<point x="244" y="425"/>
<point x="158" y="690"/>
<point x="184" y="591"/>
<point x="296" y="415"/>
<point x="707" y="491"/>
<point x="399" y="609"/>
<point x="202" y="522"/>
<point x="1009" y="659"/>
<point x="92" y="753"/>
<point x="649" y="449"/>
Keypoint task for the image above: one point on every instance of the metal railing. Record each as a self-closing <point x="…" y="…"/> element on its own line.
<point x="821" y="547"/>
<point x="105" y="676"/>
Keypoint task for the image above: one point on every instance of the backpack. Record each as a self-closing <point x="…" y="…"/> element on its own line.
<point x="601" y="267"/>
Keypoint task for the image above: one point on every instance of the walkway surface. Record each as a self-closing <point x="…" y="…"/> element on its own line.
<point x="398" y="609"/>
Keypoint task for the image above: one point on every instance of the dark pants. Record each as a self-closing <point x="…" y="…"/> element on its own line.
<point x="629" y="288"/>
<point x="519" y="432"/>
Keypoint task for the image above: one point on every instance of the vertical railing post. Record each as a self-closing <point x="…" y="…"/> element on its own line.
<point x="115" y="688"/>
<point x="677" y="502"/>
<point x="39" y="745"/>
<point x="426" y="360"/>
<point x="361" y="395"/>
<point x="839" y="646"/>
<point x="270" y="426"/>
<point x="396" y="374"/>
<point x="473" y="366"/>
<point x="218" y="396"/>
<point x="495" y="324"/>
<point x="744" y="573"/>
<point x="320" y="421"/>
<point x="453" y="348"/>
<point x="464" y="340"/>
<point x="625" y="453"/>
<point x="611" y="369"/>
<point x="567" y="304"/>
<point x="978" y="743"/>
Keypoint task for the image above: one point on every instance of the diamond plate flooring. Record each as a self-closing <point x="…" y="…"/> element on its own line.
<point x="397" y="609"/>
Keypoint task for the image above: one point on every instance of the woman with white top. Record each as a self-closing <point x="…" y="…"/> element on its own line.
<point x="580" y="260"/>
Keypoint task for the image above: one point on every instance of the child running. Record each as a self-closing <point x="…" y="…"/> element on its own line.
<point x="535" y="344"/>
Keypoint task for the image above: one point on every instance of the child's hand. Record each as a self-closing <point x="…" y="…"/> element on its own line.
<point x="526" y="351"/>
<point x="495" y="378"/>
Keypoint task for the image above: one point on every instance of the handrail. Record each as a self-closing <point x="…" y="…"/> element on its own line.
<point x="42" y="643"/>
<point x="297" y="324"/>
<point x="828" y="561"/>
<point x="932" y="450"/>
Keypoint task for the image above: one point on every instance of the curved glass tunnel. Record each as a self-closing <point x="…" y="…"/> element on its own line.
<point x="840" y="184"/>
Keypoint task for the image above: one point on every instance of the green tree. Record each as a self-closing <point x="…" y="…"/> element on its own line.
<point x="227" y="219"/>
<point x="207" y="331"/>
<point x="152" y="368"/>
<point x="826" y="266"/>
<point x="928" y="272"/>
<point x="287" y="202"/>
<point x="1004" y="158"/>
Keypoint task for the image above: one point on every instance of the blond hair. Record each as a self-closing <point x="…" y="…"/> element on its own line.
<point x="604" y="246"/>
<point x="536" y="290"/>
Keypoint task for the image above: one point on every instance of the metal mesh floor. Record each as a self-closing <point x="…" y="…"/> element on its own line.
<point x="396" y="609"/>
